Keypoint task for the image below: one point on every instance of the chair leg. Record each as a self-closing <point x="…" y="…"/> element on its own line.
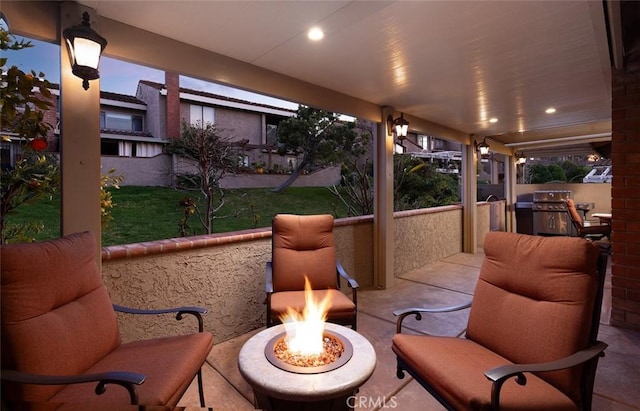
<point x="200" y="388"/>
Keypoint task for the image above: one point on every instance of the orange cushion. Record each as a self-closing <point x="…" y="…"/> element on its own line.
<point x="169" y="363"/>
<point x="303" y="246"/>
<point x="455" y="368"/>
<point x="57" y="316"/>
<point x="534" y="300"/>
<point x="341" y="305"/>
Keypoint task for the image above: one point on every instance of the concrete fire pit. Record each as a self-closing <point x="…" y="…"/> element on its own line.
<point x="278" y="389"/>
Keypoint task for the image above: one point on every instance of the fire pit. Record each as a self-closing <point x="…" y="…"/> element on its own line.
<point x="306" y="363"/>
<point x="337" y="350"/>
<point x="288" y="387"/>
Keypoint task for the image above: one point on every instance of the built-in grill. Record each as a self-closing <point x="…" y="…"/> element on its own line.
<point x="549" y="212"/>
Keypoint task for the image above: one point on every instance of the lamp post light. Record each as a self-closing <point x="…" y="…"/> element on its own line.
<point x="85" y="48"/>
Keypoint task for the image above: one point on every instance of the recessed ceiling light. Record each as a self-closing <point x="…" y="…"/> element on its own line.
<point x="315" y="34"/>
<point x="493" y="120"/>
<point x="550" y="110"/>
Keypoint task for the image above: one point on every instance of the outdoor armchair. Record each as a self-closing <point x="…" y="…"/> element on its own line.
<point x="304" y="246"/>
<point x="591" y="229"/>
<point x="60" y="338"/>
<point x="531" y="337"/>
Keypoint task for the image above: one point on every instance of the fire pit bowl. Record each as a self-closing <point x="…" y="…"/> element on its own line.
<point x="279" y="389"/>
<point x="346" y="353"/>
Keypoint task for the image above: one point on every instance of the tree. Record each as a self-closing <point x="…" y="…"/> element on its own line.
<point x="574" y="172"/>
<point x="34" y="174"/>
<point x="419" y="185"/>
<point x="214" y="156"/>
<point x="321" y="138"/>
<point x="357" y="187"/>
<point x="541" y="173"/>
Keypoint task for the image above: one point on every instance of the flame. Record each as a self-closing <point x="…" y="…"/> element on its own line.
<point x="304" y="330"/>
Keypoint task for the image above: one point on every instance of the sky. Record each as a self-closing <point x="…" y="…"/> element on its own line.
<point x="122" y="77"/>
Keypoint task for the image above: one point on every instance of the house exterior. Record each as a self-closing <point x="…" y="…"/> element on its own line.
<point x="135" y="129"/>
<point x="250" y="124"/>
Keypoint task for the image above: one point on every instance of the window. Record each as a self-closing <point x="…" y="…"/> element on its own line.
<point x="108" y="147"/>
<point x="271" y="135"/>
<point x="423" y="141"/>
<point x="201" y="115"/>
<point x="121" y="121"/>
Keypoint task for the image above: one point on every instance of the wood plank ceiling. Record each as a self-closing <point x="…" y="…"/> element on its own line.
<point x="454" y="63"/>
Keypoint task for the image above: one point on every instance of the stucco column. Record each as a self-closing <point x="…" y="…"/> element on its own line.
<point x="383" y="227"/>
<point x="80" y="138"/>
<point x="469" y="198"/>
<point x="510" y="180"/>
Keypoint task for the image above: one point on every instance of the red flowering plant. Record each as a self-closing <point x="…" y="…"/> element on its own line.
<point x="24" y="97"/>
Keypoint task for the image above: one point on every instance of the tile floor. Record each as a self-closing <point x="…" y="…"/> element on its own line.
<point x="443" y="283"/>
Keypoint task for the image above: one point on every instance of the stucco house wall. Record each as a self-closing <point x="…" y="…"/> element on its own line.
<point x="155" y="121"/>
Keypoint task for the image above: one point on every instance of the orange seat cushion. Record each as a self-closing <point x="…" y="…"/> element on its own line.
<point x="455" y="368"/>
<point x="341" y="305"/>
<point x="169" y="364"/>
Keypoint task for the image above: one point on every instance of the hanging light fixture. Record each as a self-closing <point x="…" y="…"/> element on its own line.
<point x="400" y="126"/>
<point x="85" y="47"/>
<point x="483" y="148"/>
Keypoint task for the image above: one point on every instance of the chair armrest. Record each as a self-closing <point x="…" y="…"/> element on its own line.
<point x="351" y="282"/>
<point x="343" y="273"/>
<point x="128" y="380"/>
<point x="180" y="311"/>
<point x="403" y="313"/>
<point x="500" y="374"/>
<point x="269" y="277"/>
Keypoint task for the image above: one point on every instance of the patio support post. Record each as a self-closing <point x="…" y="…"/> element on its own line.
<point x="469" y="198"/>
<point x="383" y="227"/>
<point x="79" y="139"/>
<point x="510" y="180"/>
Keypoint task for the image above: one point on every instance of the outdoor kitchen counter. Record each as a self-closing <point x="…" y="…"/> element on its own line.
<point x="273" y="382"/>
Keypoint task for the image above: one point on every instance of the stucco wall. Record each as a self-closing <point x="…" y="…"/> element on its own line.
<point x="240" y="125"/>
<point x="227" y="274"/>
<point x="424" y="236"/>
<point x="227" y="279"/>
<point x="140" y="171"/>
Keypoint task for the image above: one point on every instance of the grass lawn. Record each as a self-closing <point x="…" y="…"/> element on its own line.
<point x="153" y="213"/>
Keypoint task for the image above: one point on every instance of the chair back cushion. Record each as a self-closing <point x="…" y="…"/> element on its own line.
<point x="573" y="213"/>
<point x="57" y="316"/>
<point x="534" y="301"/>
<point x="303" y="245"/>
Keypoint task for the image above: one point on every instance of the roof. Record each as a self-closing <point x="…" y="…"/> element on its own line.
<point x="160" y="86"/>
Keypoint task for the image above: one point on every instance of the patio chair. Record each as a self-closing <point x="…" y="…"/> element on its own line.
<point x="531" y="337"/>
<point x="590" y="229"/>
<point x="60" y="337"/>
<point x="304" y="246"/>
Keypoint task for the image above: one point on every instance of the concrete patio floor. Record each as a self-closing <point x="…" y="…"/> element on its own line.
<point x="443" y="283"/>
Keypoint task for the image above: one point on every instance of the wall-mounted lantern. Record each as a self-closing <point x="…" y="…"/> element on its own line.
<point x="483" y="148"/>
<point x="85" y="48"/>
